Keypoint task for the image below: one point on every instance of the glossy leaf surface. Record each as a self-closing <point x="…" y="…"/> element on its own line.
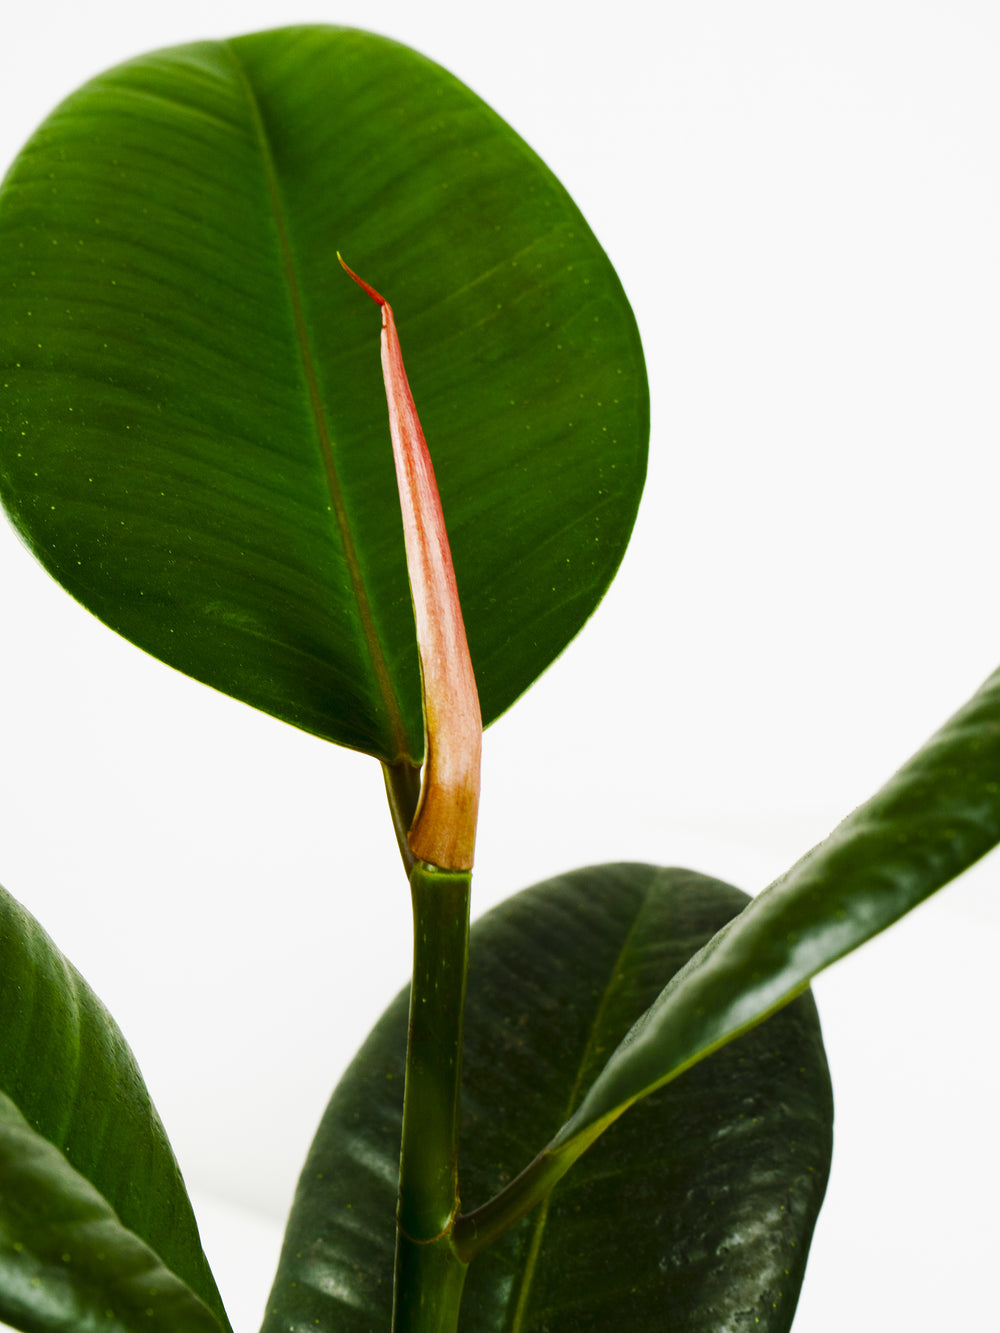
<point x="694" y="1212"/>
<point x="66" y="1261"/>
<point x="930" y="821"/>
<point x="66" y="1069"/>
<point x="193" y="431"/>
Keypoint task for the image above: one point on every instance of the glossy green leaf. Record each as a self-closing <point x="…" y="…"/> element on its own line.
<point x="66" y="1261"/>
<point x="66" y="1069"/>
<point x="193" y="431"/>
<point x="932" y="820"/>
<point x="694" y="1213"/>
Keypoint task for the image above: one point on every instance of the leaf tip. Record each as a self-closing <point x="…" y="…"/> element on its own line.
<point x="365" y="286"/>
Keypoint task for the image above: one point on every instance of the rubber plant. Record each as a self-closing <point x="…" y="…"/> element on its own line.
<point x="617" y="1111"/>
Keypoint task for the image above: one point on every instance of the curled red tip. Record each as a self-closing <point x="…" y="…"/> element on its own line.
<point x="365" y="287"/>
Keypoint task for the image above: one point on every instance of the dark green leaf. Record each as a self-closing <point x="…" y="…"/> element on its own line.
<point x="932" y="820"/>
<point x="66" y="1261"/>
<point x="694" y="1212"/>
<point x="67" y="1070"/>
<point x="193" y="431"/>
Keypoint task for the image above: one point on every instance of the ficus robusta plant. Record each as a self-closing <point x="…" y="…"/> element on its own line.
<point x="606" y="1108"/>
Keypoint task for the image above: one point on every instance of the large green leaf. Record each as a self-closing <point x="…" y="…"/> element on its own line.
<point x="193" y="432"/>
<point x="695" y="1211"/>
<point x="932" y="820"/>
<point x="66" y="1069"/>
<point x="66" y="1261"/>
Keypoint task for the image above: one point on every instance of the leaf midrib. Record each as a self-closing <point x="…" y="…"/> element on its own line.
<point x="376" y="656"/>
<point x="542" y="1216"/>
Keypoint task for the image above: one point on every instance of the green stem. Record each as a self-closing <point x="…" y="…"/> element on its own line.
<point x="474" y="1231"/>
<point x="429" y="1281"/>
<point x="429" y="1274"/>
<point x="402" y="787"/>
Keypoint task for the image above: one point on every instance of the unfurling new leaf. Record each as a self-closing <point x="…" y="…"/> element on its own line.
<point x="443" y="832"/>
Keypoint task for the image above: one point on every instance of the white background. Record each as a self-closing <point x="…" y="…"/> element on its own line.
<point x="803" y="202"/>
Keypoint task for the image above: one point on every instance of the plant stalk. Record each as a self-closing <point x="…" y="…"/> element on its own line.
<point x="478" y="1229"/>
<point x="402" y="787"/>
<point x="429" y="1282"/>
<point x="429" y="1273"/>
